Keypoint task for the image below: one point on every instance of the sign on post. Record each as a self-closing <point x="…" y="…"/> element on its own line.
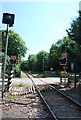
<point x="13" y="60"/>
<point x="9" y="20"/>
<point x="51" y="69"/>
<point x="64" y="55"/>
<point x="63" y="59"/>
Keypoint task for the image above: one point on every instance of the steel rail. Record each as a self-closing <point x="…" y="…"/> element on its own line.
<point x="69" y="98"/>
<point x="44" y="101"/>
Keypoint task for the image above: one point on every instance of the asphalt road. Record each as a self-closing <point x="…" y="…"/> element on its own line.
<point x="36" y="80"/>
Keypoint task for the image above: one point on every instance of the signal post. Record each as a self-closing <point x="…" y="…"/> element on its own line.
<point x="63" y="62"/>
<point x="9" y="20"/>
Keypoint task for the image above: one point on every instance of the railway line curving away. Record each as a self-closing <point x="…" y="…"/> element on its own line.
<point x="60" y="106"/>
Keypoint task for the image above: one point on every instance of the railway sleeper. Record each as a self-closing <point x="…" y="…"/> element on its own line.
<point x="22" y="90"/>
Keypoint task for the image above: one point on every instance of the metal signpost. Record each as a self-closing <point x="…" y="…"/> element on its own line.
<point x="63" y="62"/>
<point x="13" y="62"/>
<point x="9" y="20"/>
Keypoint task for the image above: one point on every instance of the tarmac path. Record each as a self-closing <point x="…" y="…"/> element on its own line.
<point x="36" y="80"/>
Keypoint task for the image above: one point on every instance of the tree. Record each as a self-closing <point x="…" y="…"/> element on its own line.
<point x="53" y="57"/>
<point x="32" y="61"/>
<point x="16" y="46"/>
<point x="24" y="66"/>
<point x="40" y="56"/>
<point x="74" y="32"/>
<point x="35" y="62"/>
<point x="65" y="45"/>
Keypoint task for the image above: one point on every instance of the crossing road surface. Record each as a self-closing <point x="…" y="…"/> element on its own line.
<point x="36" y="80"/>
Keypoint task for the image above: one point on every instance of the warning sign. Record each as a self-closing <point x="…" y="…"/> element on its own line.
<point x="13" y="60"/>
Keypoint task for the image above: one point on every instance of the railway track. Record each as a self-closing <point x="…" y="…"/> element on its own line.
<point x="27" y="106"/>
<point x="60" y="106"/>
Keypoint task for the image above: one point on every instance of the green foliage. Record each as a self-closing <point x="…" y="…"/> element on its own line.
<point x="40" y="89"/>
<point x="74" y="32"/>
<point x="21" y="85"/>
<point x="9" y="97"/>
<point x="39" y="75"/>
<point x="64" y="92"/>
<point x="32" y="61"/>
<point x="16" y="46"/>
<point x="23" y="74"/>
<point x="53" y="57"/>
<point x="18" y="73"/>
<point x="24" y="65"/>
<point x="66" y="45"/>
<point x="2" y="60"/>
<point x="40" y="56"/>
<point x="35" y="62"/>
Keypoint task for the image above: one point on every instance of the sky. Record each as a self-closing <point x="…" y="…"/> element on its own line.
<point x="40" y="24"/>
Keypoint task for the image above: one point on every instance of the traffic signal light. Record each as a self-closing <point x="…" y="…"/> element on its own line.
<point x="8" y="19"/>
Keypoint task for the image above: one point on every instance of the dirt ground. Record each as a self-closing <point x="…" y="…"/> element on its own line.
<point x="30" y="106"/>
<point x="26" y="106"/>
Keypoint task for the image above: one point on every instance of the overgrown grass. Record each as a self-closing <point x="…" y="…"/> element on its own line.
<point x="40" y="89"/>
<point x="63" y="91"/>
<point x="23" y="74"/>
<point x="20" y="85"/>
<point x="43" y="94"/>
<point x="16" y="86"/>
<point x="39" y="75"/>
<point x="9" y="97"/>
<point x="51" y="76"/>
<point x="57" y="83"/>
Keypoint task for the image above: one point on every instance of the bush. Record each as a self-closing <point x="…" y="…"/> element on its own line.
<point x="18" y="73"/>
